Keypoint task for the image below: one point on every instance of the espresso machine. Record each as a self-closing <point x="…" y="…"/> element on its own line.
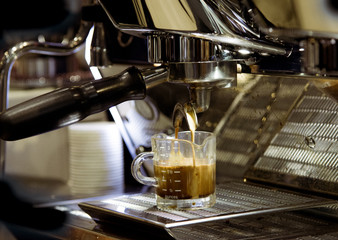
<point x="262" y="76"/>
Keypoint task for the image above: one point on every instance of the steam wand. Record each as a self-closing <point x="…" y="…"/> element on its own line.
<point x="65" y="106"/>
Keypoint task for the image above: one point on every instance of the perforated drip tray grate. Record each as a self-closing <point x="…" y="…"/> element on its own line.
<point x="234" y="199"/>
<point x="297" y="225"/>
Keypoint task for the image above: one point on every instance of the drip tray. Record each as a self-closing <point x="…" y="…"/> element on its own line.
<point x="234" y="199"/>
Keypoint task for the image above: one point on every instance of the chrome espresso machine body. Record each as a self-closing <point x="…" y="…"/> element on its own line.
<point x="259" y="75"/>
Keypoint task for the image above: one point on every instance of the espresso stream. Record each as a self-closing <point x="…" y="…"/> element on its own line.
<point x="191" y="119"/>
<point x="186" y="180"/>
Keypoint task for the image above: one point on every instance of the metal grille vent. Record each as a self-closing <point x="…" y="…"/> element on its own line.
<point x="252" y="120"/>
<point x="304" y="154"/>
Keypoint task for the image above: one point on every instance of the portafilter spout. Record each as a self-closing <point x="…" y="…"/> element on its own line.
<point x="201" y="77"/>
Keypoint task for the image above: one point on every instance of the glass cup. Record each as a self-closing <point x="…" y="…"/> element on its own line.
<point x="184" y="172"/>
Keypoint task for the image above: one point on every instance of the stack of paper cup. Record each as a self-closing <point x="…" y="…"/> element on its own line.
<point x="96" y="158"/>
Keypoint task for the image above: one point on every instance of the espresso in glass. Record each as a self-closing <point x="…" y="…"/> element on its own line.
<point x="184" y="171"/>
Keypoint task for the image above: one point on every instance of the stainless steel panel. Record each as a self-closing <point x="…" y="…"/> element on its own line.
<point x="254" y="118"/>
<point x="304" y="153"/>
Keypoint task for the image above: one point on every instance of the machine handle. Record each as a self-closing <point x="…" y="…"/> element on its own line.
<point x="65" y="106"/>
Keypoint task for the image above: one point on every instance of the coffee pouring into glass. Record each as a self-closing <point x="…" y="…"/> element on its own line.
<point x="184" y="165"/>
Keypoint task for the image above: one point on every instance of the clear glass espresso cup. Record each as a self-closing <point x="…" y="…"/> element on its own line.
<point x="184" y="172"/>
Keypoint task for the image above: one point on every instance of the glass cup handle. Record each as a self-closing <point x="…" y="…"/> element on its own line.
<point x="136" y="169"/>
